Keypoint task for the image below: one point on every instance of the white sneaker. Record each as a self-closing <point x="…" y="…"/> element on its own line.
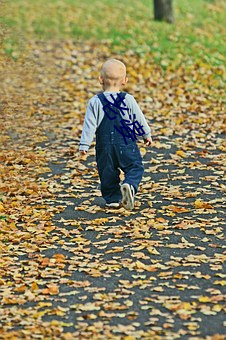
<point x="128" y="194"/>
<point x="113" y="205"/>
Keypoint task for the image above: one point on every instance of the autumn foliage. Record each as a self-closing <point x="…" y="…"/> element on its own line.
<point x="71" y="269"/>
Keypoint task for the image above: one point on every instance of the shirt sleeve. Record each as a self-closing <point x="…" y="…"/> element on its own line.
<point x="89" y="128"/>
<point x="139" y="116"/>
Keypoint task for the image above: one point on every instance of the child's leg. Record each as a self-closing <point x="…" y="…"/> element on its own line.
<point x="109" y="172"/>
<point x="130" y="161"/>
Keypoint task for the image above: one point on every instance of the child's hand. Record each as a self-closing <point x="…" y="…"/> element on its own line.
<point x="148" y="141"/>
<point x="83" y="152"/>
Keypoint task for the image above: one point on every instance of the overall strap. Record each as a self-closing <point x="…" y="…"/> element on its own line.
<point x="110" y="130"/>
<point x="106" y="104"/>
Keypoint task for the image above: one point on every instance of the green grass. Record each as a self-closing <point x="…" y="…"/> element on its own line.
<point x="198" y="31"/>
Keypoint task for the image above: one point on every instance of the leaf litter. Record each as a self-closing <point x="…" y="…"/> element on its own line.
<point x="71" y="268"/>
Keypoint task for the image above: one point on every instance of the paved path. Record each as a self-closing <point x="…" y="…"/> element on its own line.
<point x="156" y="271"/>
<point x="80" y="271"/>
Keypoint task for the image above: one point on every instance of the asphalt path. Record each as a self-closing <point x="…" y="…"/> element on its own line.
<point x="156" y="272"/>
<point x="82" y="271"/>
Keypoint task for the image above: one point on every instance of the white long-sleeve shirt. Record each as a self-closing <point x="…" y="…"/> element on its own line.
<point x="95" y="114"/>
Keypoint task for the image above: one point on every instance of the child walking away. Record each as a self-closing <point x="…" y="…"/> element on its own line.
<point x="117" y="121"/>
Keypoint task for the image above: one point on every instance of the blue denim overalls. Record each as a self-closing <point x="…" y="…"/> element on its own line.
<point x="113" y="154"/>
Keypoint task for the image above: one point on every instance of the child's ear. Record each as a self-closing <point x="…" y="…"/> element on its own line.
<point x="101" y="80"/>
<point x="125" y="81"/>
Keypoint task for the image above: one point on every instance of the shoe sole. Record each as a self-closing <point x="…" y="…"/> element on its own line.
<point x="112" y="205"/>
<point x="127" y="196"/>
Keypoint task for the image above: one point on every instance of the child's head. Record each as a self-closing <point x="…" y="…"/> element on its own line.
<point x="113" y="75"/>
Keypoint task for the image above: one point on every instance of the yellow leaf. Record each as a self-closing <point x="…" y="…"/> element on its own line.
<point x="44" y="304"/>
<point x="153" y="251"/>
<point x="1" y="208"/>
<point x="114" y="250"/>
<point x="34" y="286"/>
<point x="12" y="225"/>
<point x="143" y="151"/>
<point x="68" y="336"/>
<point x="140" y="265"/>
<point x="158" y="289"/>
<point x="160" y="227"/>
<point x="222" y="282"/>
<point x="217" y="308"/>
<point x="181" y="154"/>
<point x="199" y="204"/>
<point x="204" y="299"/>
<point x="155" y="161"/>
<point x="78" y="239"/>
<point x="100" y="221"/>
<point x="193" y="326"/>
<point x="187" y="305"/>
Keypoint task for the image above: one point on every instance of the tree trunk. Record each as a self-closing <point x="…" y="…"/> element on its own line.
<point x="163" y="10"/>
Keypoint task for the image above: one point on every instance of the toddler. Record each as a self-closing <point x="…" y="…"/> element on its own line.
<point x="117" y="121"/>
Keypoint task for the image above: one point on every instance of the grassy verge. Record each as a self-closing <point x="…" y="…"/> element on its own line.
<point x="197" y="33"/>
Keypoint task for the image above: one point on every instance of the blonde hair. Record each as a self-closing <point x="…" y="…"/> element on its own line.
<point x="113" y="71"/>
